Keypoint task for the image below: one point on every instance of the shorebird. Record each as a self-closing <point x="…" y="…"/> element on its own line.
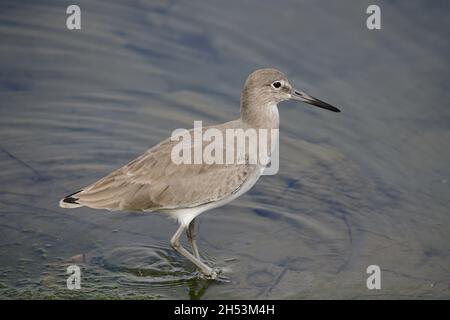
<point x="153" y="182"/>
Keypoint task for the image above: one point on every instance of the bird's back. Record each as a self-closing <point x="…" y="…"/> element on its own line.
<point x="154" y="181"/>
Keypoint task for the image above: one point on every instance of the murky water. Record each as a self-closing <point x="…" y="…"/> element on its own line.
<point x="368" y="186"/>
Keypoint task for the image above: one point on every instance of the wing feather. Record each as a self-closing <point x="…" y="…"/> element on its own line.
<point x="153" y="181"/>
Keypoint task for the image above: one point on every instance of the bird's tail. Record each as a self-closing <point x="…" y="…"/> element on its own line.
<point x="70" y="201"/>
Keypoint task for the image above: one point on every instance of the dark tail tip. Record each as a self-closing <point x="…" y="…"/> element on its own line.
<point x="70" y="201"/>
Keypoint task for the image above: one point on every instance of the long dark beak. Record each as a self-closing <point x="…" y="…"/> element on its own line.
<point x="301" y="96"/>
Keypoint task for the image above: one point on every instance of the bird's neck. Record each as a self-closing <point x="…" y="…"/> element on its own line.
<point x="260" y="115"/>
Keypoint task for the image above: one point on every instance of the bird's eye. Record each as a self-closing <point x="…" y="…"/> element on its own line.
<point x="276" y="84"/>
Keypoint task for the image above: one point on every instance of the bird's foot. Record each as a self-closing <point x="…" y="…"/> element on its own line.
<point x="213" y="274"/>
<point x="216" y="274"/>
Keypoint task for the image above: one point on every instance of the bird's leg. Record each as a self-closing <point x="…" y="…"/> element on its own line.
<point x="191" y="235"/>
<point x="175" y="243"/>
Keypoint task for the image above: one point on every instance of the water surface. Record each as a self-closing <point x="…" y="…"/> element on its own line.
<point x="367" y="186"/>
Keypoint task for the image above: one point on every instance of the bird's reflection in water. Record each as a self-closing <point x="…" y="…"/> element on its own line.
<point x="197" y="288"/>
<point x="144" y="269"/>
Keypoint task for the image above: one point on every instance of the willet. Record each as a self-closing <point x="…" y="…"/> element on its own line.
<point x="153" y="182"/>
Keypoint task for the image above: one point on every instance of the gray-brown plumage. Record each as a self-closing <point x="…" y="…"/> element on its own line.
<point x="153" y="182"/>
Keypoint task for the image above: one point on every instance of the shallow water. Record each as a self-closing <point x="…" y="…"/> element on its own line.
<point x="367" y="186"/>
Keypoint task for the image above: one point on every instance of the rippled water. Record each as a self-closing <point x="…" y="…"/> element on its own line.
<point x="367" y="186"/>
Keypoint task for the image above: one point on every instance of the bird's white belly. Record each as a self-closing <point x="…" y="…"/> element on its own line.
<point x="184" y="216"/>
